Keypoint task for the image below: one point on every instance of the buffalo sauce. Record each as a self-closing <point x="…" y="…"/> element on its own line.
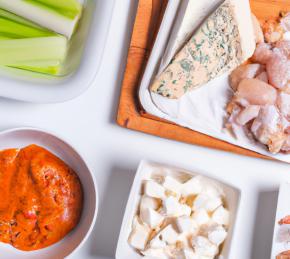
<point x="40" y="198"/>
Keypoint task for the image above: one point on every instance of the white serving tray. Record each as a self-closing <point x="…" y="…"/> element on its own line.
<point x="93" y="30"/>
<point x="203" y="109"/>
<point x="144" y="172"/>
<point x="283" y="209"/>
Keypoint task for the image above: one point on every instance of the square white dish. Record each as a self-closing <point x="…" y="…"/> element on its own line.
<point x="93" y="29"/>
<point x="144" y="172"/>
<point x="281" y="232"/>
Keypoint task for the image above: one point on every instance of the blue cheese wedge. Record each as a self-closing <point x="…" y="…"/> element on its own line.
<point x="223" y="42"/>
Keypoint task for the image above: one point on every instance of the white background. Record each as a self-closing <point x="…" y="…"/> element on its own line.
<point x="113" y="153"/>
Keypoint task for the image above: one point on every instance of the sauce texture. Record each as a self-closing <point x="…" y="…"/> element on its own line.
<point x="40" y="198"/>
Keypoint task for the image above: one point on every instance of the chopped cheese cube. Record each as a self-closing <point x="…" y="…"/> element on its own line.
<point x="172" y="185"/>
<point x="206" y="202"/>
<point x="148" y="203"/>
<point x="186" y="225"/>
<point x="203" y="247"/>
<point x="139" y="235"/>
<point x="151" y="217"/>
<point x="217" y="234"/>
<point x="221" y="216"/>
<point x="154" y="253"/>
<point x="155" y="190"/>
<point x="201" y="217"/>
<point x="172" y="208"/>
<point x="192" y="186"/>
<point x="156" y="242"/>
<point x="169" y="235"/>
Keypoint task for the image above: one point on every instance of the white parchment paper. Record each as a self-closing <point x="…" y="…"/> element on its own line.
<point x="203" y="109"/>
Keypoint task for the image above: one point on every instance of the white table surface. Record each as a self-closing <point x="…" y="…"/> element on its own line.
<point x="88" y="122"/>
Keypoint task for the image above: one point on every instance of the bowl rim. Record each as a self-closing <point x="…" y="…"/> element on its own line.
<point x="66" y="142"/>
<point x="192" y="170"/>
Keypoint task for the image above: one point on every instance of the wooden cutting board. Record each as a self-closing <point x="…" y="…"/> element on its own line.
<point x="130" y="113"/>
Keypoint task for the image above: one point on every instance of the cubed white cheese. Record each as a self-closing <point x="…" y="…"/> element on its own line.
<point x="139" y="235"/>
<point x="221" y="216"/>
<point x="148" y="203"/>
<point x="212" y="189"/>
<point x="151" y="217"/>
<point x="172" y="208"/>
<point x="192" y="186"/>
<point x="172" y="185"/>
<point x="217" y="234"/>
<point x="186" y="225"/>
<point x="203" y="201"/>
<point x="153" y="189"/>
<point x="189" y="254"/>
<point x="203" y="247"/>
<point x="156" y="242"/>
<point x="169" y="235"/>
<point x="201" y="217"/>
<point x="154" y="253"/>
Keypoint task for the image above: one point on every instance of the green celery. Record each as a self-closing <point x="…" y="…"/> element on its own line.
<point x="19" y="51"/>
<point x="21" y="31"/>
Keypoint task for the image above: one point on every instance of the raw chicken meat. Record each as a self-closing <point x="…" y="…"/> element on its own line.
<point x="260" y="107"/>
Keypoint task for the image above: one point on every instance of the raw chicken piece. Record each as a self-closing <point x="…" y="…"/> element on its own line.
<point x="284" y="47"/>
<point x="278" y="69"/>
<point x="284" y="104"/>
<point x="243" y="72"/>
<point x="273" y="31"/>
<point x="262" y="53"/>
<point x="285" y="220"/>
<point x="283" y="255"/>
<point x="263" y="77"/>
<point x="256" y="92"/>
<point x="248" y="114"/>
<point x="258" y="30"/>
<point x="286" y="146"/>
<point x="285" y="22"/>
<point x="267" y="128"/>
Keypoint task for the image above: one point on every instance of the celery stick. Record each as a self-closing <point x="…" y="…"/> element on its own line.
<point x="51" y="67"/>
<point x="21" y="31"/>
<point x="71" y="8"/>
<point x="18" y="19"/>
<point x="19" y="51"/>
<point x="43" y="15"/>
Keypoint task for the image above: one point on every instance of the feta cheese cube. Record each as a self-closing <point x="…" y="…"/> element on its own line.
<point x="203" y="247"/>
<point x="151" y="217"/>
<point x="172" y="208"/>
<point x="168" y="235"/>
<point x="189" y="254"/>
<point x="156" y="242"/>
<point x="155" y="190"/>
<point x="217" y="234"/>
<point x="206" y="202"/>
<point x="139" y="235"/>
<point x="149" y="203"/>
<point x="201" y="217"/>
<point x="172" y="185"/>
<point x="154" y="253"/>
<point x="221" y="216"/>
<point x="192" y="186"/>
<point x="186" y="225"/>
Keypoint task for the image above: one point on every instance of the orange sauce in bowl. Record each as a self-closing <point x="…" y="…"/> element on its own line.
<point x="40" y="198"/>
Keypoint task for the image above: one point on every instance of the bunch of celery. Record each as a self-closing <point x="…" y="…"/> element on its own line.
<point x="34" y="34"/>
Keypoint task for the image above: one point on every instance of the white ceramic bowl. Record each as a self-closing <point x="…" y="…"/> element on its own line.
<point x="91" y="35"/>
<point x="21" y="137"/>
<point x="144" y="172"/>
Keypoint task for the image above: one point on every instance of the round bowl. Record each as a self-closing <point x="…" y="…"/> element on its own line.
<point x="21" y="137"/>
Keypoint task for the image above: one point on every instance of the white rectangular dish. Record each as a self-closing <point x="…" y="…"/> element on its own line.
<point x="203" y="109"/>
<point x="281" y="236"/>
<point x="145" y="171"/>
<point x="93" y="30"/>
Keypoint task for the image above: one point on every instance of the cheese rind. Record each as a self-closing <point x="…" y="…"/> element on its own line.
<point x="217" y="47"/>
